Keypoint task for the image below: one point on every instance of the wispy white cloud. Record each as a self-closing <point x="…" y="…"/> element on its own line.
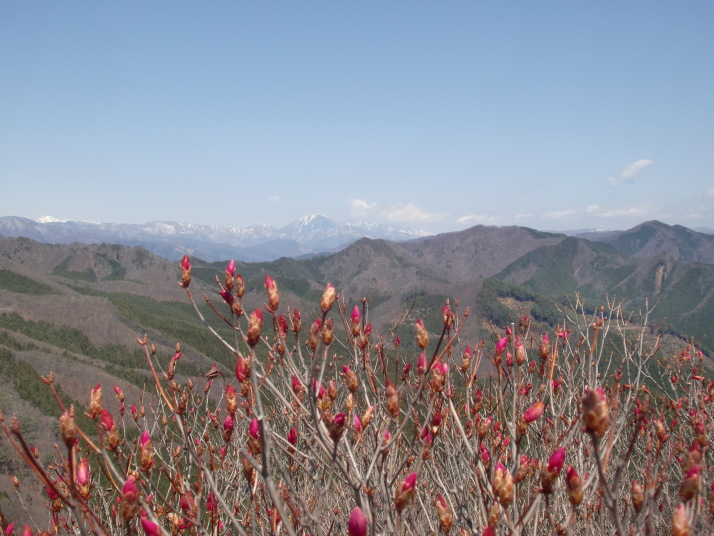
<point x="412" y="213"/>
<point x="597" y="210"/>
<point x="559" y="214"/>
<point x="630" y="171"/>
<point x="709" y="193"/>
<point x="476" y="219"/>
<point x="361" y="208"/>
<point x="273" y="199"/>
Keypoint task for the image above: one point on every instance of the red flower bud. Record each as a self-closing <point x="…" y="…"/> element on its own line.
<point x="680" y="524"/>
<point x="328" y="298"/>
<point x="501" y="345"/>
<point x="150" y="528"/>
<point x="185" y="272"/>
<point x="596" y="414"/>
<point x="297" y="385"/>
<point x="254" y="429"/>
<point x="295" y="322"/>
<point x="293" y="436"/>
<point x="690" y="484"/>
<point x="231" y="399"/>
<point x="337" y="427"/>
<point x="356" y="321"/>
<point x="83" y="472"/>
<point x="552" y="469"/>
<point x="574" y="485"/>
<point x="637" y="495"/>
<point x="422" y="337"/>
<point x="273" y="296"/>
<point x="240" y="285"/>
<point x="283" y="326"/>
<point x="444" y="513"/>
<point x="532" y="413"/>
<point x="228" y="423"/>
<point x="357" y="524"/>
<point x="129" y="498"/>
<point x="241" y="374"/>
<point x="68" y="428"/>
<point x="255" y="326"/>
<point x="328" y="332"/>
<point x="421" y="364"/>
<point x="107" y="420"/>
<point x="95" y="401"/>
<point x="350" y="378"/>
<point x="404" y="492"/>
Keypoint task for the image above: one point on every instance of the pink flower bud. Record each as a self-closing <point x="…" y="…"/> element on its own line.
<point x="356" y="321"/>
<point x="231" y="267"/>
<point x="556" y="460"/>
<point x="83" y="472"/>
<point x="690" y="483"/>
<point x="254" y="429"/>
<point x="283" y="326"/>
<point x="296" y="385"/>
<point x="150" y="528"/>
<point x="295" y="321"/>
<point x="421" y="364"/>
<point x="228" y="423"/>
<point x="357" y="524"/>
<point x="552" y="469"/>
<point x="241" y="375"/>
<point x="129" y="498"/>
<point x="337" y="427"/>
<point x="185" y="272"/>
<point x="501" y="345"/>
<point x="357" y="423"/>
<point x="444" y="513"/>
<point x="107" y="420"/>
<point x="404" y="492"/>
<point x="350" y="378"/>
<point x="532" y="413"/>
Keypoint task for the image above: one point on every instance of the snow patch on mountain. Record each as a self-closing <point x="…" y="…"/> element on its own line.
<point x="311" y="234"/>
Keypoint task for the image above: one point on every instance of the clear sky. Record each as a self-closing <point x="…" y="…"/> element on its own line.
<point x="434" y="115"/>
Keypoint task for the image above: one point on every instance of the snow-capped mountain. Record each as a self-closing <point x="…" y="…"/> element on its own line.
<point x="308" y="235"/>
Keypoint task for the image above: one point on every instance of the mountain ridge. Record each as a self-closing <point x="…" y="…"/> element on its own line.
<point x="309" y="235"/>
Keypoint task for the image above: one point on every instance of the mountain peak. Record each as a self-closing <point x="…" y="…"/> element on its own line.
<point x="51" y="219"/>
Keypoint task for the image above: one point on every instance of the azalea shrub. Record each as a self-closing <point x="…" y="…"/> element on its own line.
<point x="322" y="428"/>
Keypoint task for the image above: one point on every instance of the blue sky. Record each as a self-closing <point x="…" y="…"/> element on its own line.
<point x="434" y="115"/>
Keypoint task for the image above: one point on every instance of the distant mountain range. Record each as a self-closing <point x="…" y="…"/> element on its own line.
<point x="306" y="236"/>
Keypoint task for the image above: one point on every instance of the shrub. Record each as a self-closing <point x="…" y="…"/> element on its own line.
<point x="332" y="430"/>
